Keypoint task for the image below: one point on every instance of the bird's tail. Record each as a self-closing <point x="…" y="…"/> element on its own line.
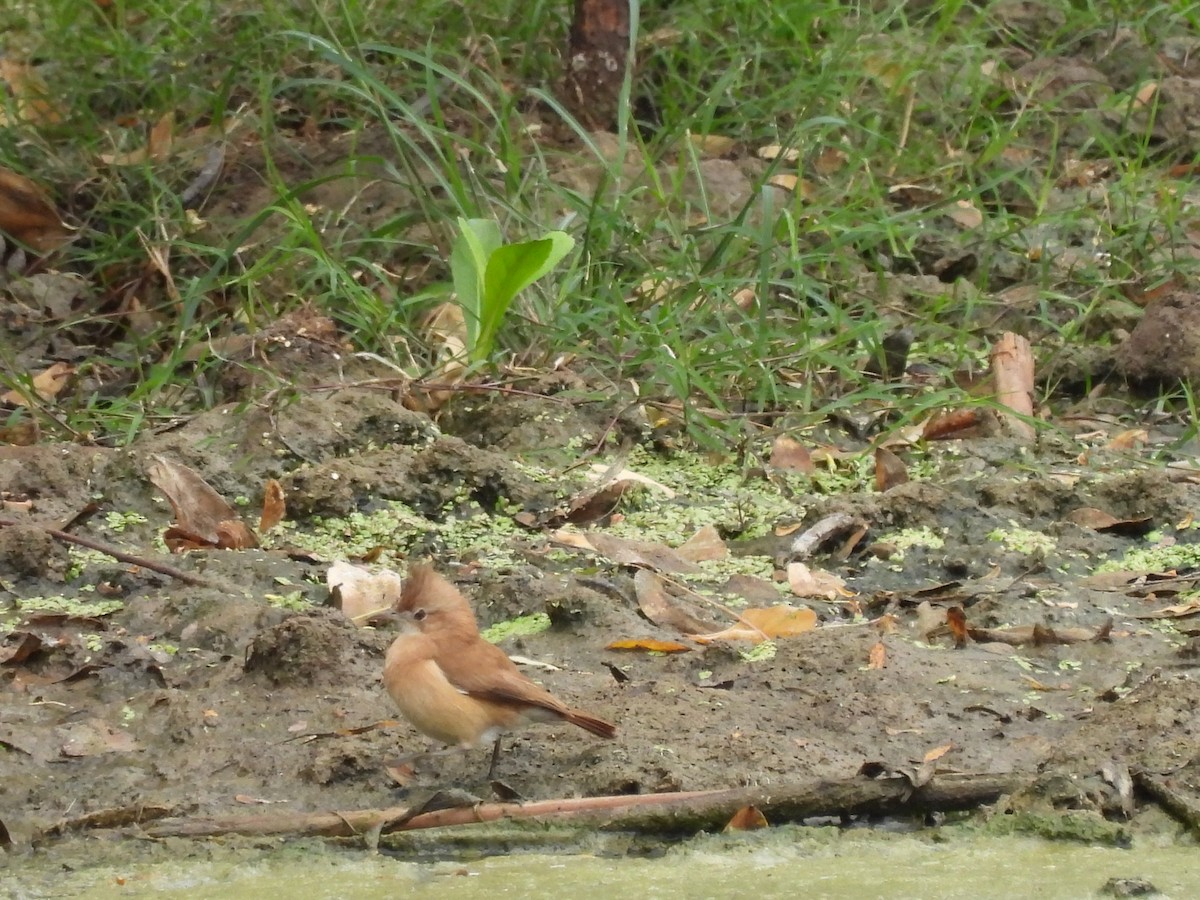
<point x="589" y="723"/>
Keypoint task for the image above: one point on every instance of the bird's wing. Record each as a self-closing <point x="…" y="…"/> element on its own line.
<point x="484" y="671"/>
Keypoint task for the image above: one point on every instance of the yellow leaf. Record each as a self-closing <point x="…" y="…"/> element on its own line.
<point x="46" y="384"/>
<point x="650" y="645"/>
<point x="758" y="625"/>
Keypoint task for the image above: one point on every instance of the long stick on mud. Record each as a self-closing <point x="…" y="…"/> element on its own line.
<point x="651" y="813"/>
<point x="119" y="555"/>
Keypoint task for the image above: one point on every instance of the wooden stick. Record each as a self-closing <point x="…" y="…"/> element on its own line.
<point x="119" y="555"/>
<point x="693" y="811"/>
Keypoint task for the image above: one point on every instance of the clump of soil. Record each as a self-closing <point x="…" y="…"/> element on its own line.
<point x="301" y="650"/>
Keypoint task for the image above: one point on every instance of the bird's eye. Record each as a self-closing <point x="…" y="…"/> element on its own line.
<point x="419" y="614"/>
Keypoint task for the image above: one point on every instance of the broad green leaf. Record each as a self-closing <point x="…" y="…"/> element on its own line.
<point x="511" y="269"/>
<point x="477" y="240"/>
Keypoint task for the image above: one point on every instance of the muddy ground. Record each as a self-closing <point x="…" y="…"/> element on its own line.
<point x="201" y="700"/>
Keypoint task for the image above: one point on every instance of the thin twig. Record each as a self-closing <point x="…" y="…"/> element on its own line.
<point x="119" y="555"/>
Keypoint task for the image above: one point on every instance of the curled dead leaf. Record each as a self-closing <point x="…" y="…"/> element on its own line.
<point x="965" y="214"/>
<point x="957" y="620"/>
<point x="157" y="149"/>
<point x="274" y="507"/>
<point x="759" y="625"/>
<point x="889" y="470"/>
<point x="445" y="329"/>
<point x="748" y="818"/>
<point x="27" y="215"/>
<point x="665" y="610"/>
<point x="46" y="385"/>
<point x="806" y="582"/>
<point x="203" y="518"/>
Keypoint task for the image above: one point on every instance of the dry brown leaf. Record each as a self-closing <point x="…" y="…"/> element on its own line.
<point x="30" y="95"/>
<point x="748" y="818"/>
<point x="957" y="620"/>
<point x="938" y="752"/>
<point x="1145" y="95"/>
<point x="1041" y="635"/>
<point x="877" y="656"/>
<point x="162" y="137"/>
<point x="274" y="507"/>
<point x="1090" y="517"/>
<point x="1130" y="439"/>
<point x="46" y="384"/>
<point x="777" y="151"/>
<point x="571" y="538"/>
<point x="650" y="645"/>
<point x="789" y="454"/>
<point x="706" y="544"/>
<point x="745" y="298"/>
<point x="27" y="215"/>
<point x="1105" y="523"/>
<point x="649" y="554"/>
<point x="158" y="146"/>
<point x="889" y="470"/>
<point x="234" y="534"/>
<point x="18" y="647"/>
<point x="830" y="161"/>
<point x="665" y="610"/>
<point x="202" y="516"/>
<point x="20" y="434"/>
<point x="806" y="582"/>
<point x="964" y="214"/>
<point x="593" y="504"/>
<point x="759" y="625"/>
<point x="713" y="144"/>
<point x="913" y="195"/>
<point x="445" y="331"/>
<point x="1180" y="611"/>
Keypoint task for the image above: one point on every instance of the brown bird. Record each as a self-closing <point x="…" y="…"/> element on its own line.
<point x="452" y="684"/>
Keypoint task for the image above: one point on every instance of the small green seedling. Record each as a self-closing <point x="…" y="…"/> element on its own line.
<point x="488" y="274"/>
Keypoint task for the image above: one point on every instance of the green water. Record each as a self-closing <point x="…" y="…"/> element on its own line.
<point x="780" y="863"/>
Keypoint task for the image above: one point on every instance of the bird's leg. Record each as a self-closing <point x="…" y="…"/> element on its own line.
<point x="495" y="758"/>
<point x="426" y="754"/>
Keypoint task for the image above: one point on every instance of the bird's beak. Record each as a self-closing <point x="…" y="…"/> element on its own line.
<point x="391" y="618"/>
